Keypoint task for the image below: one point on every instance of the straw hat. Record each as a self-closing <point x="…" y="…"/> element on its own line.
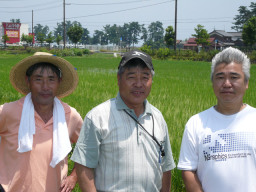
<point x="68" y="73"/>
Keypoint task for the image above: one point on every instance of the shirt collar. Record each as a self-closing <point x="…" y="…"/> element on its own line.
<point x="120" y="105"/>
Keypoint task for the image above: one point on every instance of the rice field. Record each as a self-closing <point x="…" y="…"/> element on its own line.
<point x="180" y="89"/>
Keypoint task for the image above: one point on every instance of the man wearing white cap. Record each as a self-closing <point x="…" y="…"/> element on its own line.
<point x="37" y="130"/>
<point x="124" y="142"/>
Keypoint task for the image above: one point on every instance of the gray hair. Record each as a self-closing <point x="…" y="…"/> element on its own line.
<point x="134" y="63"/>
<point x="230" y="55"/>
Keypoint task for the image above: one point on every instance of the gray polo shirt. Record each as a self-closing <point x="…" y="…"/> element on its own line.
<point x="124" y="156"/>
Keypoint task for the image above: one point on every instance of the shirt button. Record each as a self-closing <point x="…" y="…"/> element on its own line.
<point x="139" y="133"/>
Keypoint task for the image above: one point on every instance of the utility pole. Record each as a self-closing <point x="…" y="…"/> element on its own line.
<point x="64" y="26"/>
<point x="32" y="28"/>
<point x="175" y="36"/>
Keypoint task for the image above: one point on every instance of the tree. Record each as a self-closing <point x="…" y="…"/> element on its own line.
<point x="112" y="34"/>
<point x="75" y="33"/>
<point x="85" y="37"/>
<point x="169" y="36"/>
<point x="155" y="35"/>
<point x="58" y="39"/>
<point x="249" y="32"/>
<point x="5" y="39"/>
<point x="244" y="15"/>
<point x="126" y="41"/>
<point x="58" y="31"/>
<point x="40" y="38"/>
<point x="40" y="30"/>
<point x="202" y="36"/>
<point x="144" y="32"/>
<point x="15" y="20"/>
<point x="49" y="39"/>
<point x="97" y="36"/>
<point x="134" y="30"/>
<point x="27" y="38"/>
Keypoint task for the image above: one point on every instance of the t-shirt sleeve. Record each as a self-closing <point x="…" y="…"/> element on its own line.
<point x="2" y="120"/>
<point x="168" y="162"/>
<point x="77" y="125"/>
<point x="86" y="151"/>
<point x="188" y="159"/>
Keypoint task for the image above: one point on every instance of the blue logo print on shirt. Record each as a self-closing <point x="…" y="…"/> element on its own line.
<point x="228" y="142"/>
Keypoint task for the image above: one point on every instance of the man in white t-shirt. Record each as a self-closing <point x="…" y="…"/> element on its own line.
<point x="219" y="144"/>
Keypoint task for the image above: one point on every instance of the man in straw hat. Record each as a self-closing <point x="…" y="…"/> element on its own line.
<point x="124" y="142"/>
<point x="37" y="129"/>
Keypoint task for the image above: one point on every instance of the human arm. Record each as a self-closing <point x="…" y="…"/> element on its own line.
<point x="191" y="181"/>
<point x="86" y="154"/>
<point x="85" y="178"/>
<point x="166" y="181"/>
<point x="68" y="184"/>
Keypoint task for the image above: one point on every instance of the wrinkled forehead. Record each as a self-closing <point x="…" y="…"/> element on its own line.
<point x="224" y="65"/>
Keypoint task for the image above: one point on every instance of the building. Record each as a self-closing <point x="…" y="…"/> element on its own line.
<point x="192" y="45"/>
<point x="14" y="31"/>
<point x="226" y="39"/>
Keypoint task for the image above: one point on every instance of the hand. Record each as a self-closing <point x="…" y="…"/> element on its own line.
<point x="68" y="184"/>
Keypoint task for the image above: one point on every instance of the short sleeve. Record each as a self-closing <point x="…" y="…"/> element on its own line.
<point x="168" y="162"/>
<point x="76" y="125"/>
<point x="86" y="151"/>
<point x="2" y="120"/>
<point x="188" y="159"/>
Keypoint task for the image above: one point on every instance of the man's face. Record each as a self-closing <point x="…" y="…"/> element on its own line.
<point x="229" y="83"/>
<point x="43" y="85"/>
<point x="134" y="86"/>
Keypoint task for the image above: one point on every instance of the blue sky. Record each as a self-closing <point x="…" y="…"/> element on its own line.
<point x="217" y="14"/>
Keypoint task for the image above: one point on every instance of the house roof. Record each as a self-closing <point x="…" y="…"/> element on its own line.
<point x="190" y="45"/>
<point x="193" y="40"/>
<point x="221" y="33"/>
<point x="227" y="34"/>
<point x="236" y="34"/>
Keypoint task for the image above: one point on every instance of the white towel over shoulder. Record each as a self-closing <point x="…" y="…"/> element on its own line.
<point x="61" y="142"/>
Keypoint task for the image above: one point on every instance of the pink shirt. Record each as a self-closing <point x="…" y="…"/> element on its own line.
<point x="31" y="171"/>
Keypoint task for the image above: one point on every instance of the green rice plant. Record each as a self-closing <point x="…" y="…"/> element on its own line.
<point x="180" y="89"/>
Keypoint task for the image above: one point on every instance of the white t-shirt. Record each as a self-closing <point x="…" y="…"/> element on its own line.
<point x="221" y="149"/>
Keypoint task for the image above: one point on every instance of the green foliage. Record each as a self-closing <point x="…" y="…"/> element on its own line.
<point x="50" y="38"/>
<point x="15" y="20"/>
<point x="40" y="31"/>
<point x="249" y="32"/>
<point x="163" y="53"/>
<point x="147" y="49"/>
<point x="58" y="39"/>
<point x="244" y="15"/>
<point x="75" y="33"/>
<point x="252" y="56"/>
<point x="78" y="52"/>
<point x="85" y="37"/>
<point x="86" y="51"/>
<point x="5" y="39"/>
<point x="156" y="35"/>
<point x="169" y="36"/>
<point x="69" y="52"/>
<point x="40" y="37"/>
<point x="202" y="36"/>
<point x="27" y="38"/>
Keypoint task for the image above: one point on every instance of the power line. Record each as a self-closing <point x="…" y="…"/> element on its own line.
<point x="98" y="14"/>
<point x="32" y="6"/>
<point x="98" y="4"/>
<point x="46" y="8"/>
